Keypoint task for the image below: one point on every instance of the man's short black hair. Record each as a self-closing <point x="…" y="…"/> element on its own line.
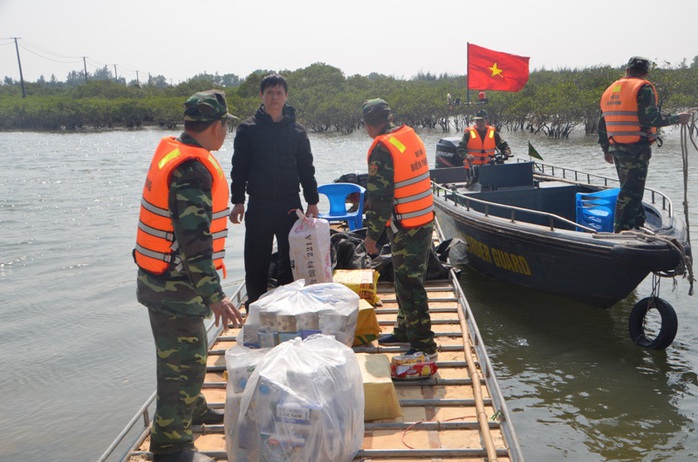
<point x="272" y="80"/>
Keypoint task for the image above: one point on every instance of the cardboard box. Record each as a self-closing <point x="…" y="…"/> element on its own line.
<point x="364" y="282"/>
<point x="381" y="401"/>
<point x="367" y="327"/>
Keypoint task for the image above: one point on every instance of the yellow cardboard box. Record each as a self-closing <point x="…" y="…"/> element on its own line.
<point x="381" y="401"/>
<point x="364" y="282"/>
<point x="367" y="327"/>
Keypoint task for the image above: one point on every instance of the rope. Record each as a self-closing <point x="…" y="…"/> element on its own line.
<point x="685" y="265"/>
<point x="686" y="134"/>
<point x="404" y="433"/>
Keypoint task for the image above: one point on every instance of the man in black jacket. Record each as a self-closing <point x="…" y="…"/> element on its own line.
<point x="271" y="157"/>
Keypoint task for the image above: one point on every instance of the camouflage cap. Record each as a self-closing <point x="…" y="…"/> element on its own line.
<point x="481" y="114"/>
<point x="375" y="111"/>
<point x="207" y="106"/>
<point x="639" y="63"/>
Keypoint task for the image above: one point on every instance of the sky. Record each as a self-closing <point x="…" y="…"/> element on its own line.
<point x="179" y="39"/>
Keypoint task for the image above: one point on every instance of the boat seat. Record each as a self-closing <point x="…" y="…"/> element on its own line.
<point x="339" y="195"/>
<point x="596" y="210"/>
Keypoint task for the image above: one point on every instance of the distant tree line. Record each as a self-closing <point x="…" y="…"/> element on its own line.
<point x="553" y="103"/>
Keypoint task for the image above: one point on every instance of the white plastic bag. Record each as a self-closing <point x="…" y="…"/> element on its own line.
<point x="309" y="250"/>
<point x="303" y="403"/>
<point x="297" y="310"/>
<point x="240" y="363"/>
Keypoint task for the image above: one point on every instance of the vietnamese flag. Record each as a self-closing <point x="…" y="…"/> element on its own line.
<point x="494" y="70"/>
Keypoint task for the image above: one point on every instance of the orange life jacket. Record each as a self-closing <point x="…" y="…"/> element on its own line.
<point x="619" y="107"/>
<point x="156" y="248"/>
<point x="481" y="149"/>
<point x="413" y="203"/>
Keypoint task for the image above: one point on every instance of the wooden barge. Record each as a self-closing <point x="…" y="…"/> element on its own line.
<point x="459" y="414"/>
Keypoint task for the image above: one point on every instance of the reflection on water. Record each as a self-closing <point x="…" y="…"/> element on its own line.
<point x="577" y="386"/>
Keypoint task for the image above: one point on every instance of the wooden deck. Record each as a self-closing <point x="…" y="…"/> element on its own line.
<point x="457" y="415"/>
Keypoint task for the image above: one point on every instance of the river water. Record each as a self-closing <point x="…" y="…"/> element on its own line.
<point x="78" y="357"/>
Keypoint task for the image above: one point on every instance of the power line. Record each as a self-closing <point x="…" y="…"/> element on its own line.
<point x="49" y="55"/>
<point x="77" y="60"/>
<point x="49" y="52"/>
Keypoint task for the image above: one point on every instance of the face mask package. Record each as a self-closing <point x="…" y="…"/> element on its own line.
<point x="299" y="310"/>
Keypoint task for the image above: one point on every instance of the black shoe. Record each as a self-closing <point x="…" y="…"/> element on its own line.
<point x="392" y="340"/>
<point x="187" y="455"/>
<point x="430" y="356"/>
<point x="210" y="417"/>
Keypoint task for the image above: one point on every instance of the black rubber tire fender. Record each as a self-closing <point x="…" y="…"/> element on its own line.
<point x="667" y="332"/>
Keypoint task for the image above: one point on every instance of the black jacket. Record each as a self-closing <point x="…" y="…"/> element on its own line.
<point x="271" y="159"/>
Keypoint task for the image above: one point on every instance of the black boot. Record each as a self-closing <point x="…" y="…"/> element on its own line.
<point x="210" y="417"/>
<point x="186" y="455"/>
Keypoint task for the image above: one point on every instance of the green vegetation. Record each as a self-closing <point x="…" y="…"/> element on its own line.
<point x="553" y="103"/>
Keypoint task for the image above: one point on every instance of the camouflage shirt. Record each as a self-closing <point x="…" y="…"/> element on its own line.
<point x="380" y="187"/>
<point x="649" y="116"/>
<point x="191" y="289"/>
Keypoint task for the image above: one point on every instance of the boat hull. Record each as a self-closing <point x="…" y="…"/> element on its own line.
<point x="590" y="268"/>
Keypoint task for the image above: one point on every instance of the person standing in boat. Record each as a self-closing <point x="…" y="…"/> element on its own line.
<point x="480" y="142"/>
<point x="627" y="129"/>
<point x="271" y="158"/>
<point x="179" y="248"/>
<point x="400" y="202"/>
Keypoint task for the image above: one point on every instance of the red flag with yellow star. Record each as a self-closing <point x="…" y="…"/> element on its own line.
<point x="494" y="70"/>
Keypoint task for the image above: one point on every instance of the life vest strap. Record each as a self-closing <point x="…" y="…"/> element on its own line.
<point x="220" y="234"/>
<point x="154" y="209"/>
<point x="401" y="184"/>
<point x="418" y="213"/>
<point x="222" y="214"/>
<point x="415" y="197"/>
<point x="168" y="258"/>
<point x="156" y="232"/>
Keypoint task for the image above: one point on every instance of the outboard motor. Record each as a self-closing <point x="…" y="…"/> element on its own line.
<point x="446" y="153"/>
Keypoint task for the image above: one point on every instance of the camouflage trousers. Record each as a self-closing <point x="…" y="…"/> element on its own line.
<point x="632" y="172"/>
<point x="181" y="346"/>
<point x="410" y="252"/>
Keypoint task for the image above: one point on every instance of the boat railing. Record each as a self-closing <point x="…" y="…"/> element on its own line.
<point x="465" y="200"/>
<point x="143" y="414"/>
<point x="578" y="176"/>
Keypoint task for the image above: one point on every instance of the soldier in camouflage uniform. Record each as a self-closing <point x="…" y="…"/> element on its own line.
<point x="409" y="246"/>
<point x="181" y="297"/>
<point x="632" y="159"/>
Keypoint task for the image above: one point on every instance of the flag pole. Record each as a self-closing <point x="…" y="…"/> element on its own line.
<point x="467" y="90"/>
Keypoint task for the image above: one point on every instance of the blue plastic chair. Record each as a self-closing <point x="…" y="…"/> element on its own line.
<point x="596" y="210"/>
<point x="337" y="193"/>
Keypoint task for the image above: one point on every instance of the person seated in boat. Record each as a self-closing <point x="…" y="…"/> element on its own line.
<point x="180" y="245"/>
<point x="480" y="142"/>
<point x="627" y="129"/>
<point x="401" y="204"/>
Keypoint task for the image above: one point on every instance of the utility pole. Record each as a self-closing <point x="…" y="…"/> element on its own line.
<point x="116" y="76"/>
<point x="137" y="79"/>
<point x="19" y="62"/>
<point x="84" y="63"/>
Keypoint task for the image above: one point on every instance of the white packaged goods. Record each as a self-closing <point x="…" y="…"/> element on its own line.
<point x="240" y="363"/>
<point x="297" y="310"/>
<point x="309" y="250"/>
<point x="304" y="402"/>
